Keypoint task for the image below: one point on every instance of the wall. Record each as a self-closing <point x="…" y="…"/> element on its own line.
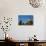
<point x="14" y="8"/>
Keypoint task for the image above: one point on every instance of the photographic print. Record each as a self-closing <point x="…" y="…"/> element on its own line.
<point x="25" y="19"/>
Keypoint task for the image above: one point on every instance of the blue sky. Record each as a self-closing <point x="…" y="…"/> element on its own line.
<point x="24" y="18"/>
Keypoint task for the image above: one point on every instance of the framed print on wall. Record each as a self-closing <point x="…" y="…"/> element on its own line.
<point x="25" y="20"/>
